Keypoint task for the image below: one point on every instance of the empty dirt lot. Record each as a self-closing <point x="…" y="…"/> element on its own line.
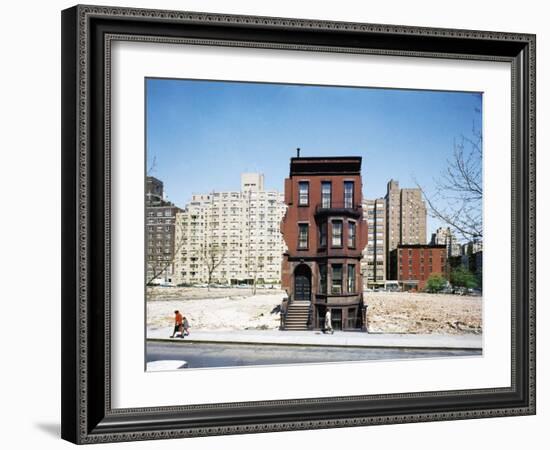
<point x="239" y="309"/>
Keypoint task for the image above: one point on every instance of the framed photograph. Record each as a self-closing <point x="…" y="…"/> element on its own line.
<point x="280" y="224"/>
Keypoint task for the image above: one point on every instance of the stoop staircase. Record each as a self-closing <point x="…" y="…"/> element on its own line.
<point x="297" y="315"/>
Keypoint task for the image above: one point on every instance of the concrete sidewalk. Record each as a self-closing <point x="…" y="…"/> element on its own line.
<point x="317" y="338"/>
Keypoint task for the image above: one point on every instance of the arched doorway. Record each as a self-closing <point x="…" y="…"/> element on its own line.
<point x="302" y="283"/>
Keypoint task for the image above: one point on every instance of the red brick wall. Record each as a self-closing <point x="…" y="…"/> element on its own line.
<point x="296" y="214"/>
<point x="409" y="265"/>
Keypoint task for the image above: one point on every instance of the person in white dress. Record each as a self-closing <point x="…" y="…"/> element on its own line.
<point x="328" y="323"/>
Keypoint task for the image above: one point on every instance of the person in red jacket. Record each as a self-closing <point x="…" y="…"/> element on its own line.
<point x="178" y="326"/>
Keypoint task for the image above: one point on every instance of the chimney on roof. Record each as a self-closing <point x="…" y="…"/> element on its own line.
<point x="298" y="152"/>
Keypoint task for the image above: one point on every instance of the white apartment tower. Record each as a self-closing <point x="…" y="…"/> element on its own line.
<point x="445" y="236"/>
<point x="232" y="236"/>
<point x="373" y="264"/>
<point x="252" y="182"/>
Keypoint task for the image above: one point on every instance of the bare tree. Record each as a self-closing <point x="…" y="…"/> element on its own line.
<point x="459" y="189"/>
<point x="213" y="257"/>
<point x="159" y="268"/>
<point x="257" y="266"/>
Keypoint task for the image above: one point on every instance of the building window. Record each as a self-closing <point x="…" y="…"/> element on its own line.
<point x="323" y="235"/>
<point x="323" y="278"/>
<point x="337" y="233"/>
<point x="337" y="278"/>
<point x="303" y="187"/>
<point x="351" y="278"/>
<point x="302" y="235"/>
<point x="326" y="194"/>
<point x="348" y="194"/>
<point x="351" y="234"/>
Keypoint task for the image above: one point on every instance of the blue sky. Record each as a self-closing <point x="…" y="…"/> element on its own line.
<point x="203" y="134"/>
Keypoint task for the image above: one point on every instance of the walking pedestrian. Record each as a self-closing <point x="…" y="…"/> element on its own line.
<point x="185" y="331"/>
<point x="328" y="322"/>
<point x="178" y="325"/>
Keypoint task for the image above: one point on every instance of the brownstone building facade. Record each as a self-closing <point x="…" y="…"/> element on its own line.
<point x="325" y="235"/>
<point x="412" y="265"/>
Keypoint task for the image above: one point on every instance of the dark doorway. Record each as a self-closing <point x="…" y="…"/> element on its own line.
<point x="321" y="311"/>
<point x="302" y="283"/>
<point x="336" y="316"/>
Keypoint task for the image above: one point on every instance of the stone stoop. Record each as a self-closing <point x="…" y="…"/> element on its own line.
<point x="297" y="316"/>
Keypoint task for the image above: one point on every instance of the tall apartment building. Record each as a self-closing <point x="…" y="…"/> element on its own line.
<point x="445" y="236"/>
<point x="231" y="237"/>
<point x="325" y="235"/>
<point x="154" y="192"/>
<point x="373" y="264"/>
<point x="160" y="221"/>
<point x="252" y="182"/>
<point x="405" y="218"/>
<point x="472" y="247"/>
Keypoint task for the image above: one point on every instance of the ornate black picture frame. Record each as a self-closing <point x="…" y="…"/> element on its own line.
<point x="87" y="33"/>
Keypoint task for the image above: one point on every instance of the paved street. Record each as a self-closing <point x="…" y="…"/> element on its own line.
<point x="200" y="355"/>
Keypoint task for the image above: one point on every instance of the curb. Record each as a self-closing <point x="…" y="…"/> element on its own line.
<point x="284" y="344"/>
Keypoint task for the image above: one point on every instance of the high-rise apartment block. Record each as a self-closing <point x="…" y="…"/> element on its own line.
<point x="160" y="233"/>
<point x="405" y="217"/>
<point x="472" y="247"/>
<point x="373" y="265"/>
<point x="231" y="237"/>
<point x="154" y="192"/>
<point x="252" y="182"/>
<point x="445" y="236"/>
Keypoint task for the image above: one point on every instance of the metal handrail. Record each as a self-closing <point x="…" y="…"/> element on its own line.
<point x="310" y="316"/>
<point x="284" y="312"/>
